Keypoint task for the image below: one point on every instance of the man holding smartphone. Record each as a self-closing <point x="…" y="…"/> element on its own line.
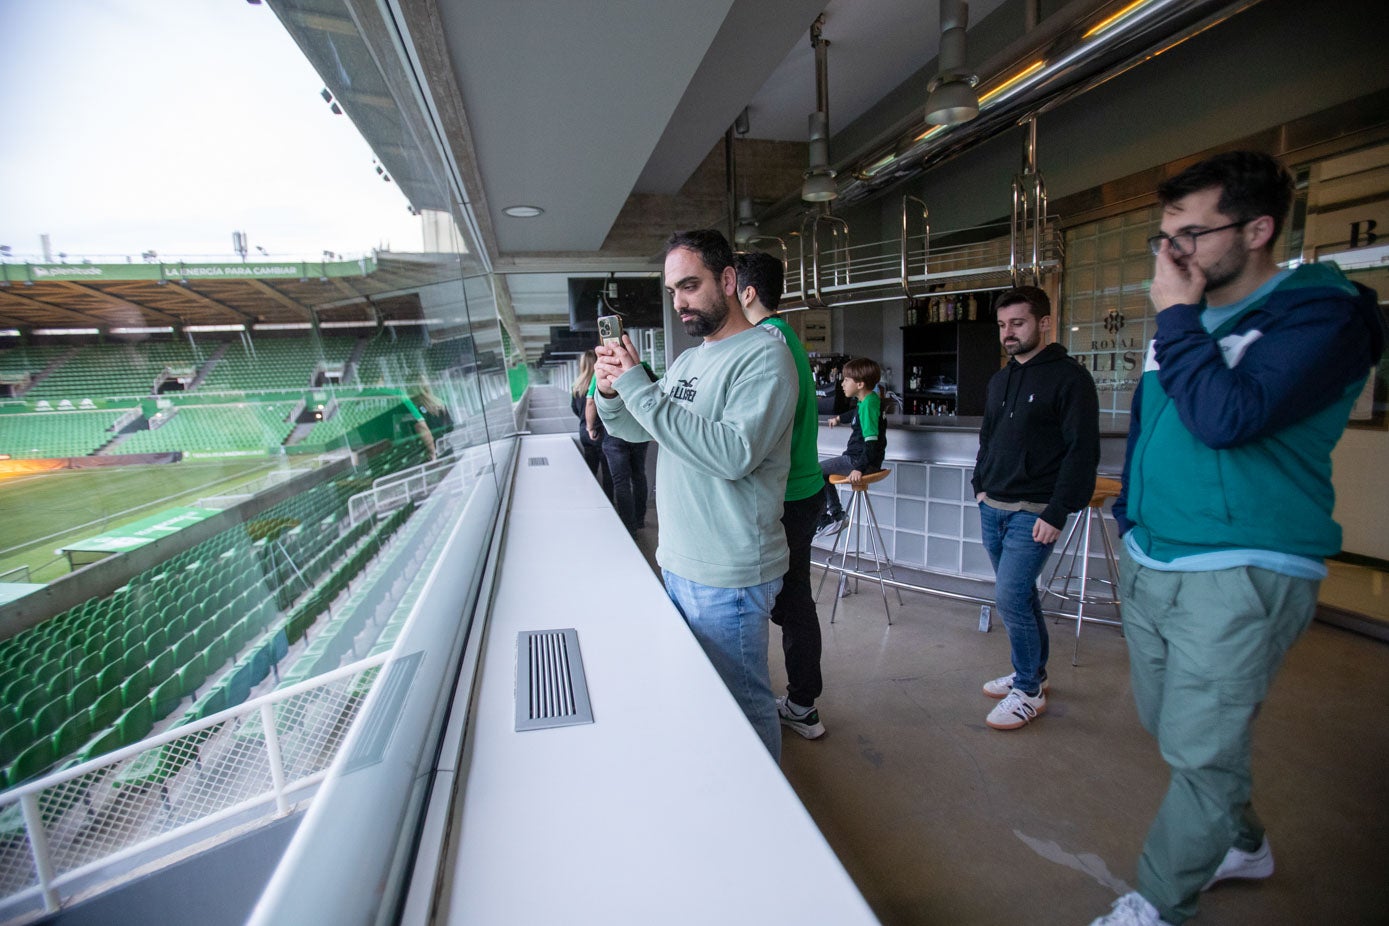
<point x="722" y="417"/>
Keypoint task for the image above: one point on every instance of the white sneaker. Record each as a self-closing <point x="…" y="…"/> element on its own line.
<point x="999" y="687"/>
<point x="1131" y="910"/>
<point x="1017" y="709"/>
<point x="1240" y="864"/>
<point x="807" y="724"/>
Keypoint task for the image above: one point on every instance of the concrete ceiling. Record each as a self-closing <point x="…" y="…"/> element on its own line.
<point x="574" y="107"/>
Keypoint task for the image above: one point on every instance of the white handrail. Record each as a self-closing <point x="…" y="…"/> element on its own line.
<point x="27" y="796"/>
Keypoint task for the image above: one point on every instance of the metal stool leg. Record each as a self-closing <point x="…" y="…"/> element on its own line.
<point x="1061" y="558"/>
<point x="841" y="586"/>
<point x="1084" y="584"/>
<point x="886" y="560"/>
<point x="1111" y="564"/>
<point x="830" y="559"/>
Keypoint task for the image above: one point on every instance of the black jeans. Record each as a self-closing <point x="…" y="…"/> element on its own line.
<point x="627" y="467"/>
<point x="794" y="611"/>
<point x="593" y="456"/>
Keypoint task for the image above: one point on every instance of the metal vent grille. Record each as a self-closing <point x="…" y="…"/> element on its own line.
<point x="550" y="687"/>
<point x="537" y="461"/>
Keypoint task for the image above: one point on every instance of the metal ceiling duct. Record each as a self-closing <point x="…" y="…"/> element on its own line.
<point x="1078" y="48"/>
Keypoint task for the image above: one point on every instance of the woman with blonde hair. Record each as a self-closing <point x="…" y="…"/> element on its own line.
<point x="591" y="431"/>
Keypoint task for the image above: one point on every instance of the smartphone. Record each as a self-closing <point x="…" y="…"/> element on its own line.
<point x="610" y="329"/>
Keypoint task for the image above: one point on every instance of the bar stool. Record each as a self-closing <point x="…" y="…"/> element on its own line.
<point x="1076" y="547"/>
<point x="860" y="517"/>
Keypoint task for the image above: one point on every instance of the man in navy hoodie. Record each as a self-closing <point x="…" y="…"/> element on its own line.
<point x="1226" y="508"/>
<point x="1038" y="449"/>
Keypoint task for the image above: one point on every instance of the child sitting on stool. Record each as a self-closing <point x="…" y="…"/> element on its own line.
<point x="867" y="443"/>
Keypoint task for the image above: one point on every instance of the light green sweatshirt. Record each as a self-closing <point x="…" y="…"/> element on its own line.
<point x="722" y="417"/>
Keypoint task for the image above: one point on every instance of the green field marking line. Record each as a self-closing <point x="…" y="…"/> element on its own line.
<point x="102" y="522"/>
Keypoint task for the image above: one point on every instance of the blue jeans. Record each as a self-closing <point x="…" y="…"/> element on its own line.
<point x="1018" y="560"/>
<point x="731" y="626"/>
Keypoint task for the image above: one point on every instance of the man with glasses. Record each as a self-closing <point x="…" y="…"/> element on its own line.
<point x="1226" y="506"/>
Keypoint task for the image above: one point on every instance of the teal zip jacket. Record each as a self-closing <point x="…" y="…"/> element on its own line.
<point x="1231" y="431"/>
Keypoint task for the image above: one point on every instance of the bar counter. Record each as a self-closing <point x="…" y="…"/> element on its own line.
<point x="926" y="507"/>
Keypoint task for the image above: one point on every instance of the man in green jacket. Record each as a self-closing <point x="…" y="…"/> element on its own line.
<point x="760" y="281"/>
<point x="722" y="418"/>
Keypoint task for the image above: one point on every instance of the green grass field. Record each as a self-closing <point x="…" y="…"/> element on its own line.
<point x="40" y="513"/>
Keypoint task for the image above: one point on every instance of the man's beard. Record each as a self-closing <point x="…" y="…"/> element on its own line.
<point x="1021" y="347"/>
<point x="1228" y="268"/>
<point x="706" y="319"/>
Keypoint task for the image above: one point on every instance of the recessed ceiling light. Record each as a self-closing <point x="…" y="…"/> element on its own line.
<point x="523" y="212"/>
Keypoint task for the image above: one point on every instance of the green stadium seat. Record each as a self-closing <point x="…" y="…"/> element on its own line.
<point x="185" y="647"/>
<point x="90" y="666"/>
<point x="48" y="717"/>
<point x="105" y="709"/>
<point x="165" y="697"/>
<point x="194" y="673"/>
<point x="71" y="735"/>
<point x="14" y="740"/>
<point x="156" y="642"/>
<point x="135" y="658"/>
<point x="82" y="695"/>
<point x="210" y="703"/>
<point x="31" y="763"/>
<point x="136" y="723"/>
<point x="111" y="676"/>
<point x="162" y="666"/>
<point x="135" y="688"/>
<point x="109" y="740"/>
<point x="33" y="699"/>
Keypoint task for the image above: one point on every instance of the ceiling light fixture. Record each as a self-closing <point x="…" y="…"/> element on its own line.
<point x="523" y="212"/>
<point x="819" y="186"/>
<point x="747" y="223"/>
<point x="746" y="229"/>
<point x="952" y="98"/>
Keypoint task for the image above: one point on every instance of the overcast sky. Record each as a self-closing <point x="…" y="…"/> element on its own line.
<point x="169" y="124"/>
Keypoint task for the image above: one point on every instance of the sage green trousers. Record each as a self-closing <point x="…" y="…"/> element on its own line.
<point x="1203" y="650"/>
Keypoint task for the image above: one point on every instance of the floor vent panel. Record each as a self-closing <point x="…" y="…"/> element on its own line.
<point x="537" y="461"/>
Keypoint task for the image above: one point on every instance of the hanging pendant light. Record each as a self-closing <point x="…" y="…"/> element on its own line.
<point x="952" y="98"/>
<point x="819" y="186"/>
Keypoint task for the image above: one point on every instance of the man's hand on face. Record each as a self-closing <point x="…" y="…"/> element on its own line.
<point x="613" y="361"/>
<point x="1175" y="283"/>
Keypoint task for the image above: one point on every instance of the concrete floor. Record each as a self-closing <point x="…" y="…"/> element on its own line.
<point x="941" y="820"/>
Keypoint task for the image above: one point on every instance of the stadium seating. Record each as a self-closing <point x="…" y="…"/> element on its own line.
<point x="275" y="364"/>
<point x="108" y="370"/>
<point x="205" y="625"/>
<point x="56" y="434"/>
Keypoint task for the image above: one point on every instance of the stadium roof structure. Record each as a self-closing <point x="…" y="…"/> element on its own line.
<point x="382" y="287"/>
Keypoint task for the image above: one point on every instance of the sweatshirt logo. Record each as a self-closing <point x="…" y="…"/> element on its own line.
<point x="1233" y="346"/>
<point x="684" y="390"/>
<point x="1031" y="396"/>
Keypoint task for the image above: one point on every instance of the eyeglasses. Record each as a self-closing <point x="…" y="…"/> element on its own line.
<point x="1184" y="243"/>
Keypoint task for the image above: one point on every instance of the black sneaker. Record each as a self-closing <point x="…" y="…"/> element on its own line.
<point x="807" y="724"/>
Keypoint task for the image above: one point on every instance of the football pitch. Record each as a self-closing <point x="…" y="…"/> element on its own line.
<point x="39" y="513"/>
